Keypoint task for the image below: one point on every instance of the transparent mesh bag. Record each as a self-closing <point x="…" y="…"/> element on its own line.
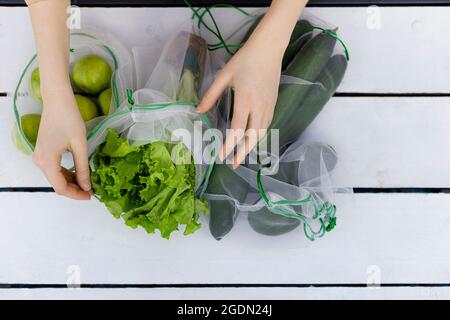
<point x="163" y="111"/>
<point x="288" y="187"/>
<point x="82" y="43"/>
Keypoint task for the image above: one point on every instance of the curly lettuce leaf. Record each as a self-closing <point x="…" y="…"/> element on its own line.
<point x="151" y="186"/>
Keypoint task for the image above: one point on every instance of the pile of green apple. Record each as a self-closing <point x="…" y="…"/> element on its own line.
<point x="91" y="76"/>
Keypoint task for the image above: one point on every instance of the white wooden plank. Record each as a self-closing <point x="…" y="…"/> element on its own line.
<point x="380" y="238"/>
<point x="392" y="49"/>
<point x="229" y="293"/>
<point x="387" y="142"/>
<point x="381" y="142"/>
<point x="16" y="168"/>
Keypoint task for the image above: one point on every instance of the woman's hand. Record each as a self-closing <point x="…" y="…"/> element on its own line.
<point x="62" y="130"/>
<point x="254" y="74"/>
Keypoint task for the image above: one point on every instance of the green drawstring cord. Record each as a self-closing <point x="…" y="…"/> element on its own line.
<point x="327" y="210"/>
<point x="222" y="43"/>
<point x="130" y="96"/>
<point x="217" y="32"/>
<point x="333" y="34"/>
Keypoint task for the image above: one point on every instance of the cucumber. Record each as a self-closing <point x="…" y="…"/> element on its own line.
<point x="224" y="181"/>
<point x="315" y="99"/>
<point x="301" y="34"/>
<point x="264" y="221"/>
<point x="307" y="65"/>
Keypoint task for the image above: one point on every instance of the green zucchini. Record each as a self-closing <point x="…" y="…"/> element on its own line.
<point x="264" y="221"/>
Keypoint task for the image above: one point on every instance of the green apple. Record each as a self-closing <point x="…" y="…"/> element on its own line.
<point x="94" y="100"/>
<point x="36" y="84"/>
<point x="92" y="74"/>
<point x="104" y="101"/>
<point x="88" y="109"/>
<point x="30" y="127"/>
<point x="19" y="142"/>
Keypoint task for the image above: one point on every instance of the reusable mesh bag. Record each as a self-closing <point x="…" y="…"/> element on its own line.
<point x="82" y="42"/>
<point x="164" y="111"/>
<point x="288" y="186"/>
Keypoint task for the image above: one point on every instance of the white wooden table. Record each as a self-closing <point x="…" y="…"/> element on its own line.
<point x="390" y="124"/>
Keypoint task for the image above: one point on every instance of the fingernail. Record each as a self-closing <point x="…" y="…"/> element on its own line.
<point x="85" y="185"/>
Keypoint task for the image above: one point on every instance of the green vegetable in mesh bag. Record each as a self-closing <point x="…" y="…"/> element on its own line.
<point x="151" y="185"/>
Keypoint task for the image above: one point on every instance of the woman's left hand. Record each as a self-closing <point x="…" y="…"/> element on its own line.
<point x="254" y="75"/>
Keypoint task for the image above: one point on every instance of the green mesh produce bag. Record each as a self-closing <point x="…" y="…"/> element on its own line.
<point x="82" y="43"/>
<point x="161" y="113"/>
<point x="288" y="188"/>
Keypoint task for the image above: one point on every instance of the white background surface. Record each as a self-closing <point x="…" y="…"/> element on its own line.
<point x="383" y="142"/>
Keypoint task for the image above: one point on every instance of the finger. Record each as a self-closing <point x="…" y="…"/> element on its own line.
<point x="214" y="92"/>
<point x="54" y="173"/>
<point x="80" y="157"/>
<point x="70" y="178"/>
<point x="252" y="136"/>
<point x="238" y="124"/>
<point x="73" y="191"/>
<point x="68" y="175"/>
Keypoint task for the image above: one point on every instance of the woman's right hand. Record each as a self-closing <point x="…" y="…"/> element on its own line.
<point x="62" y="130"/>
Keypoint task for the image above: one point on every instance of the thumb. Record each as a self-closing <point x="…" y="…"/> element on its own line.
<point x="214" y="92"/>
<point x="80" y="157"/>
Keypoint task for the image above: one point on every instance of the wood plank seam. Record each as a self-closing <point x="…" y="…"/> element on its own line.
<point x="226" y="285"/>
<point x="355" y="190"/>
<point x="249" y="3"/>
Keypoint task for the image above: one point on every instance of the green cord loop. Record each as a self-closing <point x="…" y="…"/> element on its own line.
<point x="327" y="210"/>
<point x="130" y="96"/>
<point x="201" y="12"/>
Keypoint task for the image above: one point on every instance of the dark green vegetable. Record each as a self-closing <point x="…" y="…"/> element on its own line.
<point x="315" y="98"/>
<point x="301" y="34"/>
<point x="270" y="224"/>
<point x="307" y="65"/>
